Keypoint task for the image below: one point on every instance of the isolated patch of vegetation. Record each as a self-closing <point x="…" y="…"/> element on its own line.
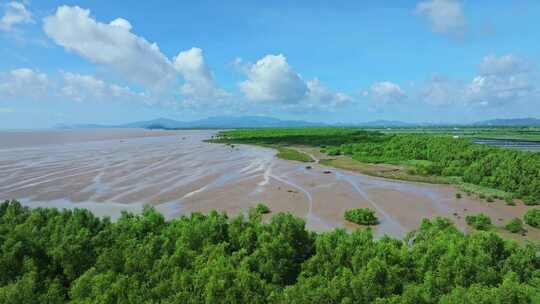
<point x="496" y="173"/>
<point x="332" y="151"/>
<point x="292" y="154"/>
<point x="515" y="226"/>
<point x="262" y="208"/>
<point x="70" y="256"/>
<point x="509" y="201"/>
<point x="479" y="221"/>
<point x="361" y="216"/>
<point x="532" y="217"/>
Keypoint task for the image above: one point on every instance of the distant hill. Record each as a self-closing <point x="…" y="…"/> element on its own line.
<point x="217" y="122"/>
<point x="230" y="122"/>
<point x="510" y="122"/>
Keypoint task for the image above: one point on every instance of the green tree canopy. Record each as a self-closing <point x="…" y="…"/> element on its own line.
<point x="52" y="256"/>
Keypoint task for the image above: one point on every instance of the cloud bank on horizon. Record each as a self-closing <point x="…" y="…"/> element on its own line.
<point x="105" y="69"/>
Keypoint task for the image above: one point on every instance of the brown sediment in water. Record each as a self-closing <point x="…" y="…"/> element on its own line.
<point x="20" y="139"/>
<point x="180" y="174"/>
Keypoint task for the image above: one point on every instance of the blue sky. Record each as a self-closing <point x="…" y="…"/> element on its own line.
<point x="418" y="61"/>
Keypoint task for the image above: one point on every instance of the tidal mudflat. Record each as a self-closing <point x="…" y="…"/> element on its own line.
<point x="108" y="171"/>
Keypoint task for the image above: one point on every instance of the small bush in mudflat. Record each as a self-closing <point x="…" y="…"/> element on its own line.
<point x="515" y="225"/>
<point x="361" y="216"/>
<point x="509" y="200"/>
<point x="458" y="195"/>
<point x="532" y="217"/>
<point x="262" y="208"/>
<point x="479" y="221"/>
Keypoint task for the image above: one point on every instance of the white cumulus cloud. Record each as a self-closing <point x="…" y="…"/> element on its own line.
<point x="386" y="92"/>
<point x="200" y="85"/>
<point x="500" y="81"/>
<point x="441" y="91"/>
<point x="503" y="80"/>
<point x="87" y="88"/>
<point x="271" y="79"/>
<point x="112" y="45"/>
<point x="319" y="95"/>
<point x="445" y="16"/>
<point x="15" y="13"/>
<point x="500" y="90"/>
<point x="28" y="84"/>
<point x="503" y="65"/>
<point x="24" y="83"/>
<point x="121" y="22"/>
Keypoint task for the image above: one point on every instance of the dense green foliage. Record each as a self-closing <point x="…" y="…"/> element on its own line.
<point x="51" y="256"/>
<point x="479" y="221"/>
<point x="515" y="225"/>
<point x="297" y="136"/>
<point x="361" y="216"/>
<point x="262" y="208"/>
<point x="532" y="217"/>
<point x="511" y="171"/>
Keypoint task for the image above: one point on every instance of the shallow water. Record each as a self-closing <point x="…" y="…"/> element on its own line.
<point x="108" y="171"/>
<point x="532" y="146"/>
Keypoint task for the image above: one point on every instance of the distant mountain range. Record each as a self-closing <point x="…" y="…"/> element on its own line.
<point x="230" y="122"/>
<point x="218" y="122"/>
<point x="510" y="122"/>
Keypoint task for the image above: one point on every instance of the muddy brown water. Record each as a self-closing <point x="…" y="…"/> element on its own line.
<point x="107" y="171"/>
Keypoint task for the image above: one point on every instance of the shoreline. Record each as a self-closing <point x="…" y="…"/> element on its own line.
<point x="390" y="171"/>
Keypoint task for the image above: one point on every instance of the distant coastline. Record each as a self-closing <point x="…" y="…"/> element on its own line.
<point x="235" y="122"/>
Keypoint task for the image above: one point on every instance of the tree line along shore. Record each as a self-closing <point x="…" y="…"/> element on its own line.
<point x="490" y="172"/>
